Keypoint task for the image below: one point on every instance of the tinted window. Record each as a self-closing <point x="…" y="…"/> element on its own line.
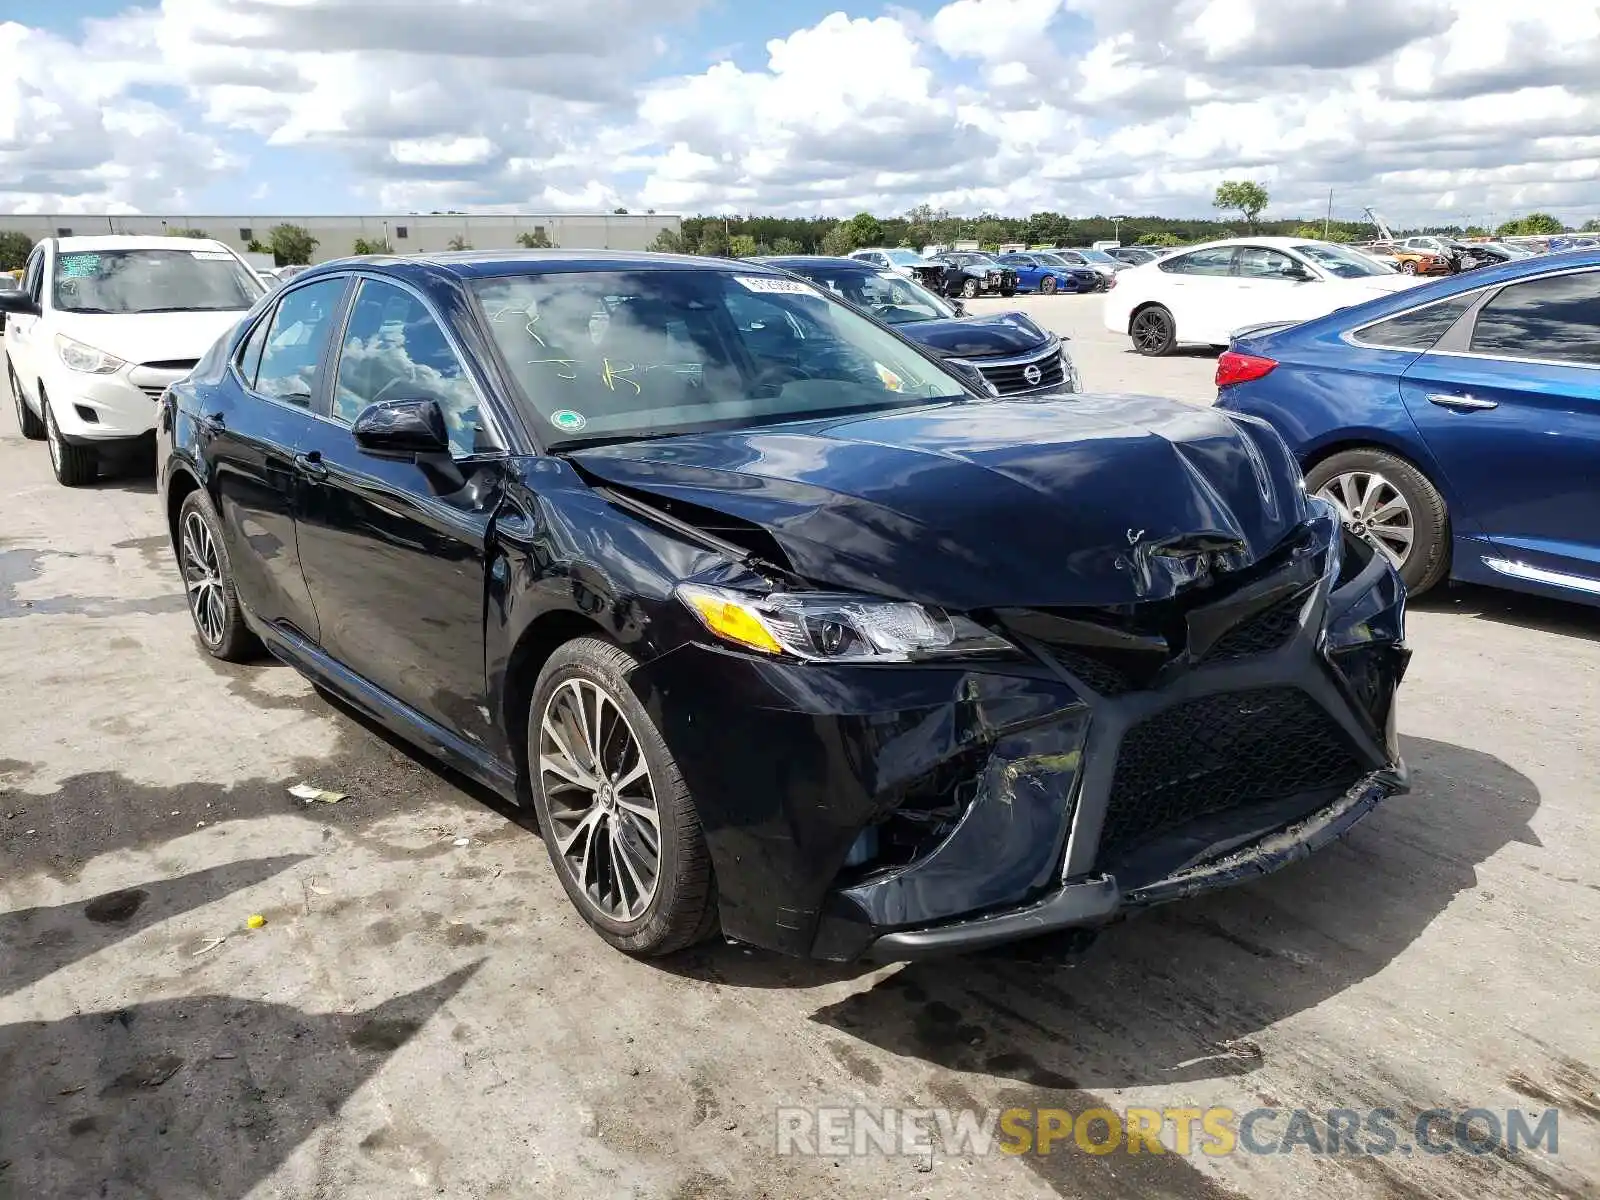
<point x="1216" y="261"/>
<point x="1418" y="329"/>
<point x="395" y="350"/>
<point x="300" y="330"/>
<point x="250" y="352"/>
<point x="1257" y="262"/>
<point x="615" y="354"/>
<point x="1557" y="317"/>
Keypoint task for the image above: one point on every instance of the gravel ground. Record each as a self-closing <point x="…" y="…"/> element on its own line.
<point x="419" y="1017"/>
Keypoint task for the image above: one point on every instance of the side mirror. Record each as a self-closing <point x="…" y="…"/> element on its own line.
<point x="18" y="302"/>
<point x="402" y="428"/>
<point x="1300" y="275"/>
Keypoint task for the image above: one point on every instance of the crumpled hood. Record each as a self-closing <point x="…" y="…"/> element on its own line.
<point x="1025" y="502"/>
<point x="148" y="337"/>
<point x="994" y="335"/>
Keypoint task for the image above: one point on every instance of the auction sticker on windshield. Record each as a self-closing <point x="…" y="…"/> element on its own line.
<point x="763" y="283"/>
<point x="78" y="266"/>
<point x="568" y="421"/>
<point x="212" y="255"/>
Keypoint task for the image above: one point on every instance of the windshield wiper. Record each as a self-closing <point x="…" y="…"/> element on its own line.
<point x="189" y="308"/>
<point x="608" y="439"/>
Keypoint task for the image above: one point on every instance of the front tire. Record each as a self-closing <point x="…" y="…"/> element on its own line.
<point x="617" y="818"/>
<point x="970" y="289"/>
<point x="1408" y="267"/>
<point x="1153" y="331"/>
<point x="31" y="426"/>
<point x="1047" y="285"/>
<point x="208" y="579"/>
<point x="75" y="466"/>
<point x="1384" y="496"/>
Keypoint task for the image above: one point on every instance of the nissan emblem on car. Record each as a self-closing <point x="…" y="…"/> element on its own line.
<point x="1032" y="374"/>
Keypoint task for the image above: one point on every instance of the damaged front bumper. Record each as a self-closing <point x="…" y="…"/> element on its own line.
<point x="902" y="811"/>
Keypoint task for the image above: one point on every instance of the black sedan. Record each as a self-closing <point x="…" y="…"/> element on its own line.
<point x="780" y="627"/>
<point x="1015" y="356"/>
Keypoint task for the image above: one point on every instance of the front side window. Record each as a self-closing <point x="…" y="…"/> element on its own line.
<point x="1418" y="329"/>
<point x="153" y="281"/>
<point x="394" y="349"/>
<point x="1258" y="262"/>
<point x="615" y="355"/>
<point x="905" y="258"/>
<point x="1557" y="318"/>
<point x="1216" y="261"/>
<point x="33" y="275"/>
<point x="295" y="341"/>
<point x="1345" y="264"/>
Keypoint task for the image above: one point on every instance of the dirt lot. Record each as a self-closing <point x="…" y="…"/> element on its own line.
<point x="421" y="1017"/>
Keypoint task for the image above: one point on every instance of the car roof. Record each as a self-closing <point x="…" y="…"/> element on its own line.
<point x="128" y="241"/>
<point x="1274" y="241"/>
<point x="799" y="262"/>
<point x="460" y="265"/>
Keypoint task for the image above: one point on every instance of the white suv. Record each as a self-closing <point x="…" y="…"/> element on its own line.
<point x="100" y="328"/>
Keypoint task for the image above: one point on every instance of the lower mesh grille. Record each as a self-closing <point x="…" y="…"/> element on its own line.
<point x="1217" y="753"/>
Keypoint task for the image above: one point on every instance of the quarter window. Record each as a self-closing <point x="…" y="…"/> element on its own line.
<point x="395" y="350"/>
<point x="1216" y="261"/>
<point x="1557" y="317"/>
<point x="1418" y="329"/>
<point x="250" y="353"/>
<point x="294" y="344"/>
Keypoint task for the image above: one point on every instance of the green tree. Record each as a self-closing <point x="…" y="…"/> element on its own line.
<point x="742" y="245"/>
<point x="713" y="241"/>
<point x="1243" y="197"/>
<point x="1592" y="225"/>
<point x="254" y="246"/>
<point x="458" y="242"/>
<point x="787" y="245"/>
<point x="619" y="212"/>
<point x="864" y="230"/>
<point x="1159" y="239"/>
<point x="991" y="233"/>
<point x="537" y="240"/>
<point x="372" y="246"/>
<point x="14" y="250"/>
<point x="191" y="233"/>
<point x="1535" y="224"/>
<point x="837" y="241"/>
<point x="667" y="242"/>
<point x="291" y="245"/>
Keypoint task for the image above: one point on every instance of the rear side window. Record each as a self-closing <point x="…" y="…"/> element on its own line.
<point x="1418" y="329"/>
<point x="1217" y="261"/>
<point x="1557" y="317"/>
<point x="296" y="340"/>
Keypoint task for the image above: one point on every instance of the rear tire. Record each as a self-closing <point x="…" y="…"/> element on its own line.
<point x="27" y="420"/>
<point x="1153" y="331"/>
<point x="970" y="289"/>
<point x="597" y="796"/>
<point x="75" y="466"/>
<point x="1345" y="478"/>
<point x="1047" y="285"/>
<point x="207" y="573"/>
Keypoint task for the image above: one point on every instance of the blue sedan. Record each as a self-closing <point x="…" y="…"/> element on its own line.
<point x="1456" y="423"/>
<point x="1046" y="273"/>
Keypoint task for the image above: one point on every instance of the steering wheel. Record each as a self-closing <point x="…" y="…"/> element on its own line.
<point x="779" y="374"/>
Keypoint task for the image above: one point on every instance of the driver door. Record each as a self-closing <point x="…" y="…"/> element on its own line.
<point x="394" y="549"/>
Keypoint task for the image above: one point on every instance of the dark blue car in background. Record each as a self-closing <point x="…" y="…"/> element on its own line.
<point x="1457" y="423"/>
<point x="1047" y="273"/>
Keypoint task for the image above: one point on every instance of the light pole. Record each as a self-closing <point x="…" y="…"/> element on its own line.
<point x="1116" y="228"/>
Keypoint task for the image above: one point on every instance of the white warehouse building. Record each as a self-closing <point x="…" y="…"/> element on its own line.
<point x="406" y="233"/>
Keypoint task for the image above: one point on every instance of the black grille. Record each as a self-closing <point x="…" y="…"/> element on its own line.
<point x="1217" y="753"/>
<point x="1012" y="377"/>
<point x="1261" y="634"/>
<point x="1097" y="676"/>
<point x="153" y="390"/>
<point x="172" y="364"/>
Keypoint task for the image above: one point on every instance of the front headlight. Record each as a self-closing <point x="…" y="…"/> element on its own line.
<point x="826" y="627"/>
<point x="75" y="356"/>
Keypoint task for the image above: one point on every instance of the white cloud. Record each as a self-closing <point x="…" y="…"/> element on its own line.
<point x="1422" y="108"/>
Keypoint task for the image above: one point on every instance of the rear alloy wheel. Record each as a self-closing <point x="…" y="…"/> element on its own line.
<point x="617" y="817"/>
<point x="32" y="427"/>
<point x="1153" y="331"/>
<point x="969" y="288"/>
<point x="1385" y="498"/>
<point x="1047" y="285"/>
<point x="75" y="466"/>
<point x="208" y="579"/>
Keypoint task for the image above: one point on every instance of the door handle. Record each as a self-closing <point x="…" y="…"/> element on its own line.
<point x="310" y="465"/>
<point x="1463" y="403"/>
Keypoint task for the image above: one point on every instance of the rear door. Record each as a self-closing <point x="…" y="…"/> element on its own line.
<point x="1509" y="403"/>
<point x="252" y="436"/>
<point x="395" y="549"/>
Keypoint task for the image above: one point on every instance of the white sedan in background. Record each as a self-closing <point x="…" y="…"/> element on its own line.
<point x="1199" y="296"/>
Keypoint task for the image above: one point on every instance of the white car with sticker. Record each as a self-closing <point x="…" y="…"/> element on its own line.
<point x="103" y="325"/>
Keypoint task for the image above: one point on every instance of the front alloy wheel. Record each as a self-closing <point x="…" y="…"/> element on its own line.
<point x="969" y="289"/>
<point x="617" y="818"/>
<point x="74" y="466"/>
<point x="31" y="426"/>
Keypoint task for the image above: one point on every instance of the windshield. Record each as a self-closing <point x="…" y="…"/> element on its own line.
<point x="1051" y="260"/>
<point x="1346" y="264"/>
<point x="148" y="281"/>
<point x="904" y="258"/>
<point x="970" y="259"/>
<point x="614" y="356"/>
<point x="891" y="298"/>
<point x="1099" y="256"/>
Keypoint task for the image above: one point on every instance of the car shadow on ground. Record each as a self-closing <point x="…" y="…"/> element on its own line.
<point x="1565" y="617"/>
<point x="194" y="1096"/>
<point x="36" y="942"/>
<point x="1176" y="995"/>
